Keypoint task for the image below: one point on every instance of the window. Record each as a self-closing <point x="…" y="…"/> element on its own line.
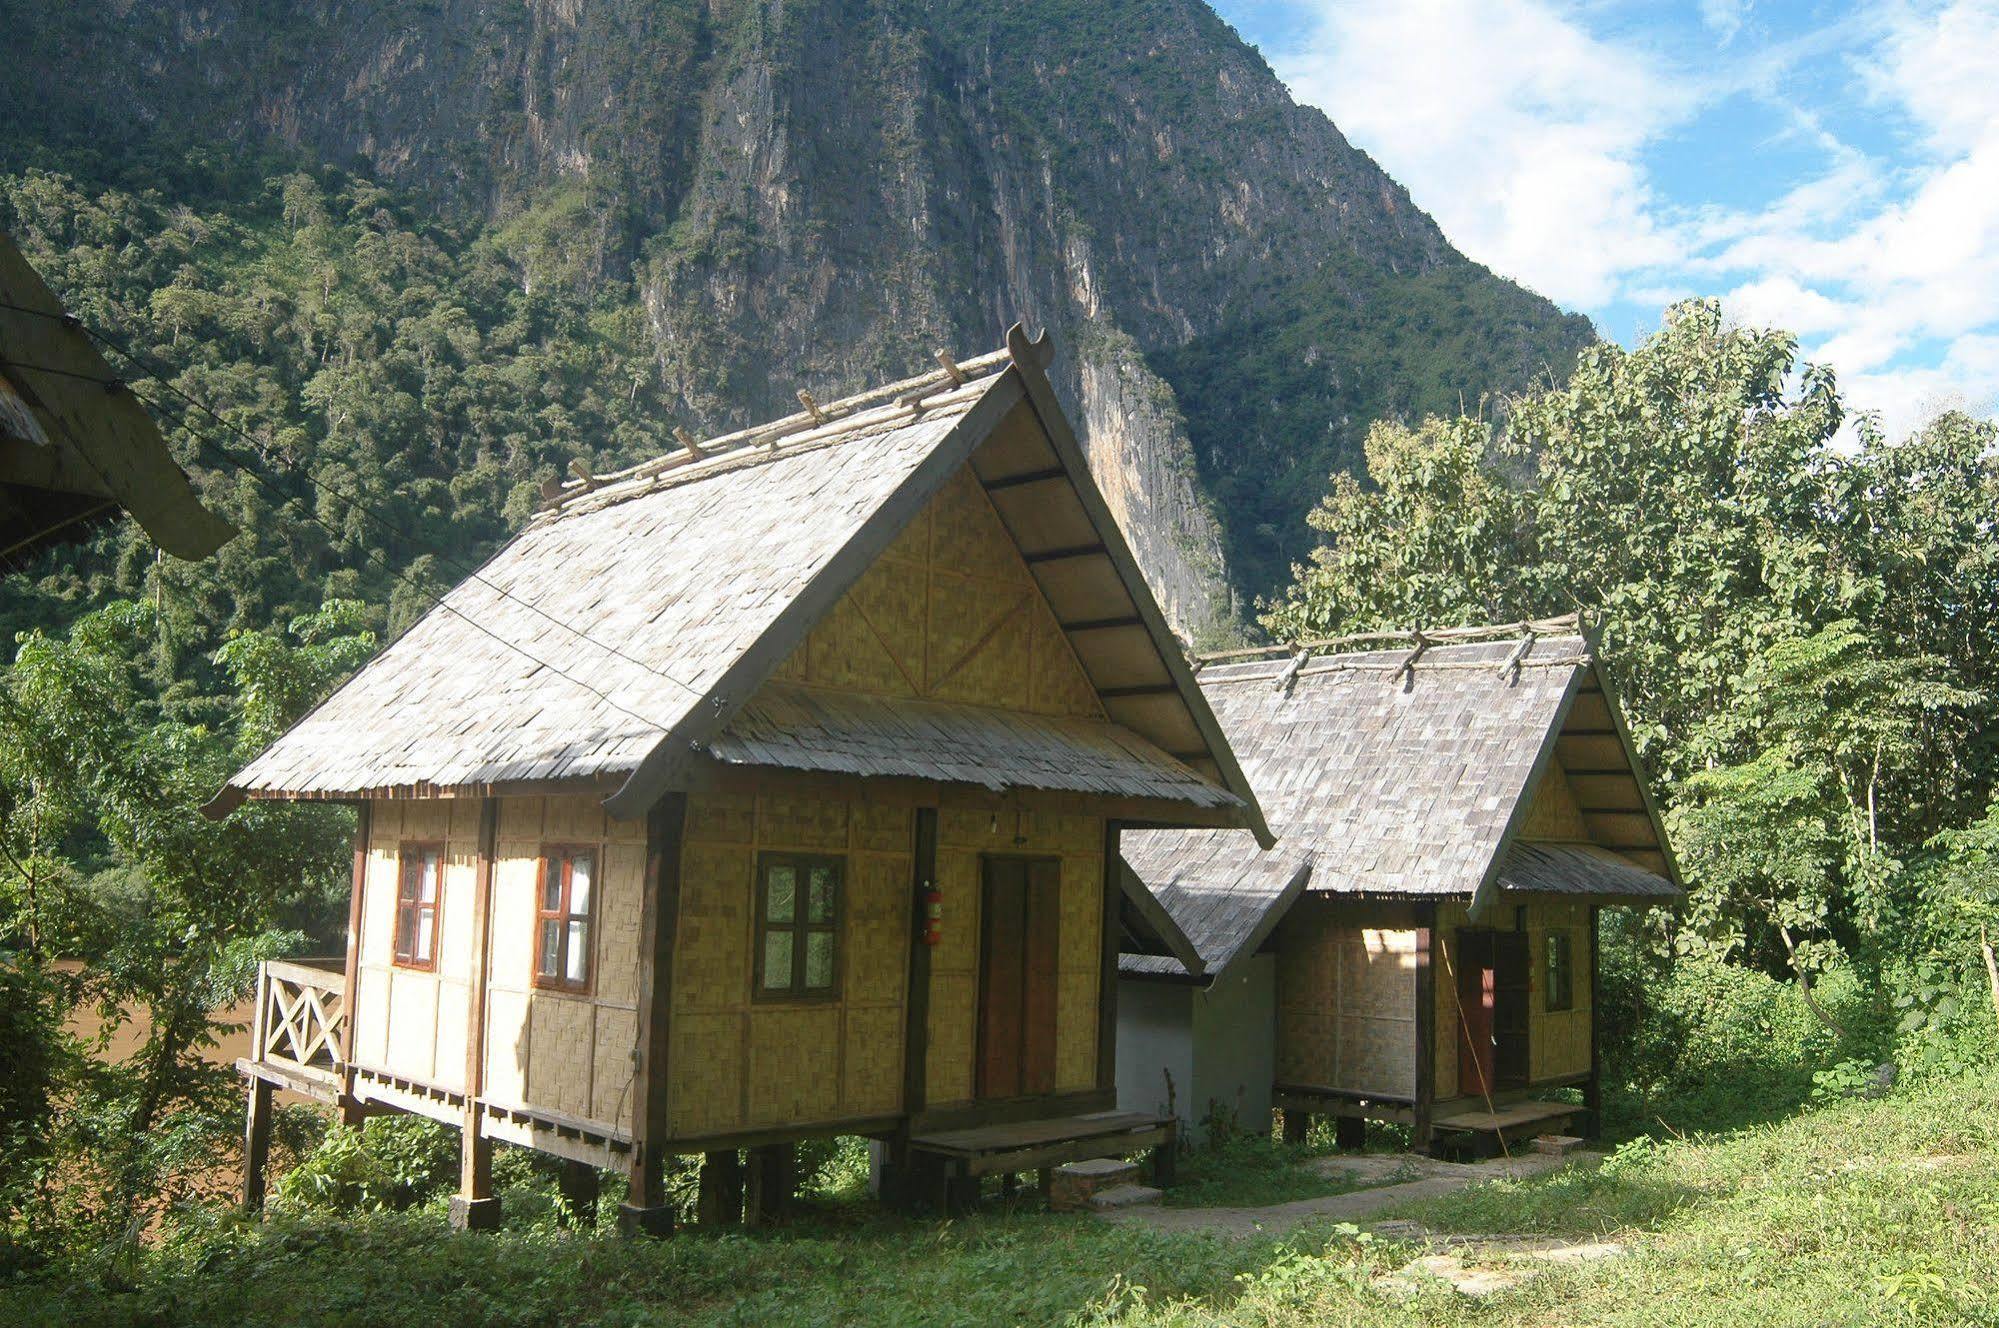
<point x="1561" y="972"/>
<point x="422" y="880"/>
<point x="798" y="927"/>
<point x="562" y="917"/>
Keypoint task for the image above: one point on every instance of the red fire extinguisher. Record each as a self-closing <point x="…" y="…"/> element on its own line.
<point x="933" y="916"/>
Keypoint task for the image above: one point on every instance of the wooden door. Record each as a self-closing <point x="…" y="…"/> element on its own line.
<point x="1509" y="1009"/>
<point x="1019" y="942"/>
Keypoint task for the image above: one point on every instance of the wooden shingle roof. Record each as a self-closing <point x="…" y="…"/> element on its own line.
<point x="620" y="636"/>
<point x="73" y="451"/>
<point x="1397" y="773"/>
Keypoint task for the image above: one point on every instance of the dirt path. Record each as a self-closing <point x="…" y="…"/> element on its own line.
<point x="1431" y="1178"/>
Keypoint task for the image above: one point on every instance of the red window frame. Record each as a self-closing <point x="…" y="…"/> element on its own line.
<point x="558" y="865"/>
<point x="412" y="909"/>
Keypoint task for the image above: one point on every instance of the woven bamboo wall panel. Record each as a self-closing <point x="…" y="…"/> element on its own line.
<point x="1377" y="1055"/>
<point x="521" y="818"/>
<point x="883" y="827"/>
<point x="1307" y="1046"/>
<point x="1081" y="938"/>
<point x="722" y="818"/>
<point x="794" y="1069"/>
<point x="413" y="1024"/>
<point x="574" y="818"/>
<point x="793" y="822"/>
<point x="787" y="1063"/>
<point x="562" y="1054"/>
<point x="877" y="932"/>
<point x="947" y="1068"/>
<point x="371" y="1017"/>
<point x="455" y="919"/>
<point x="957" y="948"/>
<point x="707" y="1062"/>
<point x="871" y="1078"/>
<point x="1076" y="1031"/>
<point x="611" y="1076"/>
<point x="1558" y="1040"/>
<point x="949" y="612"/>
<point x="1553" y="813"/>
<point x="1346" y="1004"/>
<point x="616" y="942"/>
<point x="506" y="1045"/>
<point x="454" y="1013"/>
<point x="711" y="965"/>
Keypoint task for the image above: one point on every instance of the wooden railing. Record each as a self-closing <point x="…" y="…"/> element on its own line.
<point x="301" y="1015"/>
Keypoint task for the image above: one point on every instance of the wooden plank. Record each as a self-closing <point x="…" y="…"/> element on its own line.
<point x="364" y="817"/>
<point x="475" y="1160"/>
<point x="1002" y="482"/>
<point x="1107" y="975"/>
<point x="1041" y="952"/>
<point x="916" y="1018"/>
<point x="1021" y="1134"/>
<point x="1593" y="1089"/>
<point x="1519" y="1113"/>
<point x="1621" y="830"/>
<point x="1001" y="974"/>
<point x="659" y="914"/>
<point x="1607" y="793"/>
<point x="1074" y="1150"/>
<point x="1426" y="1028"/>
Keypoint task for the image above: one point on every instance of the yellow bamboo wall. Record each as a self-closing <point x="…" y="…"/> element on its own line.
<point x="1346" y="998"/>
<point x="1558" y="1042"/>
<point x="558" y="1051"/>
<point x="406" y="1021"/>
<point x="948" y="612"/>
<point x="964" y="835"/>
<point x="562" y="1051"/>
<point x="1553" y="815"/>
<point x="735" y="1063"/>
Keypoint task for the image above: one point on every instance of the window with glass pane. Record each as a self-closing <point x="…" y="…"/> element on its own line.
<point x="420" y="882"/>
<point x="1561" y="972"/>
<point x="562" y="918"/>
<point x="798" y="927"/>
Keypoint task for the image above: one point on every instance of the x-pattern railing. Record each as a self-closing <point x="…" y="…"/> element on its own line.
<point x="300" y="1016"/>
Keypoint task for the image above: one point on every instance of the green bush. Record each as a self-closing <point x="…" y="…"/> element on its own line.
<point x="390" y="1162"/>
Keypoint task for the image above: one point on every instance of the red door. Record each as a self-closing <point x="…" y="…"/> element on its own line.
<point x="1492" y="999"/>
<point x="1019" y="940"/>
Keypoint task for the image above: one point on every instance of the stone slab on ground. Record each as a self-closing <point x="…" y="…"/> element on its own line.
<point x="1434" y="1178"/>
<point x="1123" y="1196"/>
<point x="1073" y="1184"/>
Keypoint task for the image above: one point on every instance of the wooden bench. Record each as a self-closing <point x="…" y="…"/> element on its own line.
<point x="951" y="1163"/>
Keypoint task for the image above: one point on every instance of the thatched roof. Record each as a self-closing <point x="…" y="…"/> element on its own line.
<point x="619" y="637"/>
<point x="1403" y="773"/>
<point x="73" y="452"/>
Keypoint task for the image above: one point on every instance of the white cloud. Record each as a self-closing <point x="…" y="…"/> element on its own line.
<point x="1525" y="133"/>
<point x="1513" y="125"/>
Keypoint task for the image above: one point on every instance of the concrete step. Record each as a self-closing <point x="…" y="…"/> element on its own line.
<point x="1558" y="1145"/>
<point x="1124" y="1196"/>
<point x="1074" y="1184"/>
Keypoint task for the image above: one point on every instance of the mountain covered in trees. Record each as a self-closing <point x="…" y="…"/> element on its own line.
<point x="430" y="252"/>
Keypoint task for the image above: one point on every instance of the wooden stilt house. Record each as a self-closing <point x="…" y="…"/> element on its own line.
<point x="768" y="790"/>
<point x="1420" y="946"/>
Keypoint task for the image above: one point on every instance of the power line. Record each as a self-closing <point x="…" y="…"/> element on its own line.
<point x="153" y="372"/>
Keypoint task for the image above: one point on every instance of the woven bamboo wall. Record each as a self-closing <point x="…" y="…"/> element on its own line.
<point x="561" y="1051"/>
<point x="1346" y="998"/>
<point x="964" y="835"/>
<point x="409" y="1021"/>
<point x="1557" y="1042"/>
<point x="948" y="612"/>
<point x="736" y="1063"/>
<point x="1553" y="815"/>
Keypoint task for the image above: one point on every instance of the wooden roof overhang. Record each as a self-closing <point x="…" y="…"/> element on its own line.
<point x="76" y="446"/>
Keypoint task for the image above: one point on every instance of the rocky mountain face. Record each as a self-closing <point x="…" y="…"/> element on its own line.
<point x="815" y="193"/>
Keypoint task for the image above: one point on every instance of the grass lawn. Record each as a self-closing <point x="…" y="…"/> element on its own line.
<point x="1863" y="1213"/>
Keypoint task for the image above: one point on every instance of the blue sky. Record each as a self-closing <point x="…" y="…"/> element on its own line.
<point x="1828" y="168"/>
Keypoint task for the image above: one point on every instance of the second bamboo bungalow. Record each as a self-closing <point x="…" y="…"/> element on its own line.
<point x="1453" y="811"/>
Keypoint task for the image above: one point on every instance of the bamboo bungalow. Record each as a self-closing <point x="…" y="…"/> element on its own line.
<point x="768" y="790"/>
<point x="1421" y="945"/>
<point x="76" y="446"/>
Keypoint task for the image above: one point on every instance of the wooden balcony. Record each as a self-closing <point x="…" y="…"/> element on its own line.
<point x="297" y="1032"/>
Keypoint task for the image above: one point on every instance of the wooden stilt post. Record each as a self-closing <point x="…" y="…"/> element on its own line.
<point x="1350" y="1133"/>
<point x="646" y="1210"/>
<point x="720" y="1200"/>
<point x="1593" y="1086"/>
<point x="1421" y="1137"/>
<point x="1297" y="1124"/>
<point x="256" y="1143"/>
<point x="475" y="1207"/>
<point x="351" y="1111"/>
<point x="770" y="1184"/>
<point x="1166" y="1157"/>
<point x="579" y="1185"/>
